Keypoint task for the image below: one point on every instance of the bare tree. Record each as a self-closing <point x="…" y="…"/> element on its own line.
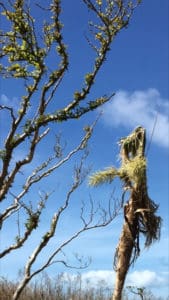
<point x="139" y="210"/>
<point x="27" y="46"/>
<point x="143" y="292"/>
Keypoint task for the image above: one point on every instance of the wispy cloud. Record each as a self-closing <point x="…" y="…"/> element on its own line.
<point x="146" y="108"/>
<point x="4" y="99"/>
<point x="13" y="102"/>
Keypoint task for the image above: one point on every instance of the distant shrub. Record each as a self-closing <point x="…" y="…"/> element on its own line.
<point x="65" y="288"/>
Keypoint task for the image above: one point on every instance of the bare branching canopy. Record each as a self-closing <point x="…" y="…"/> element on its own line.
<point x="35" y="57"/>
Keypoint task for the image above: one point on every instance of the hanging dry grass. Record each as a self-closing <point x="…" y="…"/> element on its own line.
<point x="139" y="211"/>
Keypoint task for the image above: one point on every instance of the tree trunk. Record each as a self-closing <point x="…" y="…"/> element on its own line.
<point x="125" y="248"/>
<point x="139" y="211"/>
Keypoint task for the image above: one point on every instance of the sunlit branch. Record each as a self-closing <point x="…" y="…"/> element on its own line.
<point x="87" y="225"/>
<point x="35" y="177"/>
<point x="35" y="56"/>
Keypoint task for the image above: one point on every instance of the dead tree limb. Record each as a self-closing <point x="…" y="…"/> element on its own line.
<point x="139" y="211"/>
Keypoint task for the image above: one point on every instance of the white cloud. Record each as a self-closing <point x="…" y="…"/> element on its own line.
<point x="146" y="108"/>
<point x="95" y="277"/>
<point x="13" y="102"/>
<point x="145" y="278"/>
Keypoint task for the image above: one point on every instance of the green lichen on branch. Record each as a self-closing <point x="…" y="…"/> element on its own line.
<point x="105" y="176"/>
<point x="26" y="54"/>
<point x="133" y="174"/>
<point x="139" y="210"/>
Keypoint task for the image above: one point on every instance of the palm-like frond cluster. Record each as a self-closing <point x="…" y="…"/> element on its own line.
<point x="133" y="173"/>
<point x="105" y="176"/>
<point x="134" y="170"/>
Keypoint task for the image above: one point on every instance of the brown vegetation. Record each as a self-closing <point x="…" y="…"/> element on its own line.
<point x="139" y="211"/>
<point x="69" y="288"/>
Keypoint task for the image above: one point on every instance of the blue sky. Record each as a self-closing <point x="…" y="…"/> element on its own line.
<point x="137" y="70"/>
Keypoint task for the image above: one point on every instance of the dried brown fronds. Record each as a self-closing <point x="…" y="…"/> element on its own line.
<point x="139" y="211"/>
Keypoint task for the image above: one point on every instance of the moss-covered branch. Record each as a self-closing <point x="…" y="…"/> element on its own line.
<point x="139" y="211"/>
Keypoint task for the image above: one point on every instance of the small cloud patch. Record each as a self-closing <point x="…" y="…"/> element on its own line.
<point x="146" y="108"/>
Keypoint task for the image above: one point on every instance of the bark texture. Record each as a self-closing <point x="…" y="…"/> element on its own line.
<point x="139" y="211"/>
<point x="124" y="252"/>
